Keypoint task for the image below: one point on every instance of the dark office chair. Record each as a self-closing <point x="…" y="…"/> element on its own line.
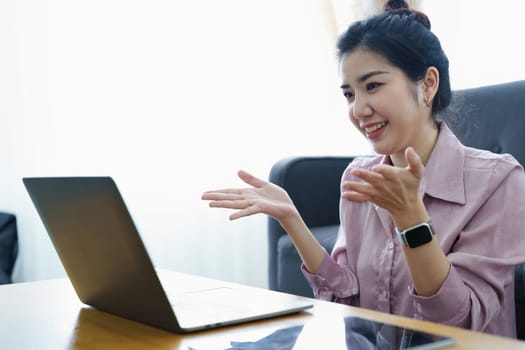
<point x="519" y="280"/>
<point x="489" y="117"/>
<point x="313" y="185"/>
<point x="8" y="246"/>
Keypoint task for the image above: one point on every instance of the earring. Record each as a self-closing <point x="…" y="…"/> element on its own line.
<point x="427" y="102"/>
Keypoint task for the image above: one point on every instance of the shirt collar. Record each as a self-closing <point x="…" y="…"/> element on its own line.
<point x="444" y="170"/>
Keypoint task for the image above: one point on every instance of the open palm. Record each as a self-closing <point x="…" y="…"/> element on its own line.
<point x="263" y="197"/>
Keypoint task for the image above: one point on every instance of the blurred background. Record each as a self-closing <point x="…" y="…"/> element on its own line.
<point x="171" y="98"/>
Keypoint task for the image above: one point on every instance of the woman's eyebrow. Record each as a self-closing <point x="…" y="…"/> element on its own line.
<point x="365" y="77"/>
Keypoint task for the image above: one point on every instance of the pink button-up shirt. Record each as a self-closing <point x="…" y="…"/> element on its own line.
<point x="476" y="200"/>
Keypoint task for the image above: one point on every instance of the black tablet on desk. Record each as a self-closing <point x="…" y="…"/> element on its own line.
<point x="329" y="333"/>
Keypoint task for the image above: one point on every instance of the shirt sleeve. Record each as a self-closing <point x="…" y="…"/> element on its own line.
<point x="336" y="279"/>
<point x="431" y="308"/>
<point x="482" y="259"/>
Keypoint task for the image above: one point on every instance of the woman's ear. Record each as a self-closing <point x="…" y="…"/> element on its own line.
<point x="430" y="85"/>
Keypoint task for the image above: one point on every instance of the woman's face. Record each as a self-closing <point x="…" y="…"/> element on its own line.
<point x="384" y="105"/>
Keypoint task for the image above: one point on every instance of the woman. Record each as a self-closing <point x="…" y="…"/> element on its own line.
<point x="429" y="228"/>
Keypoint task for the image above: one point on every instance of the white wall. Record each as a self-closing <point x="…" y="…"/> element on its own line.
<point x="172" y="97"/>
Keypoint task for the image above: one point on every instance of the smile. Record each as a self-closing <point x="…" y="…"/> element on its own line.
<point x="375" y="127"/>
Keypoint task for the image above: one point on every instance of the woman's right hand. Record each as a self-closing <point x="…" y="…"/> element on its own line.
<point x="262" y="197"/>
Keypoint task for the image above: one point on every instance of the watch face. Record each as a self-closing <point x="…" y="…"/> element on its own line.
<point x="418" y="236"/>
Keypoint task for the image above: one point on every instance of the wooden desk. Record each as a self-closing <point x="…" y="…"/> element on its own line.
<point x="48" y="315"/>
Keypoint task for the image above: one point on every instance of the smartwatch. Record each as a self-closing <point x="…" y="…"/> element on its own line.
<point x="417" y="235"/>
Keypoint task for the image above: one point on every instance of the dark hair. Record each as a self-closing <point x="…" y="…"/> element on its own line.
<point x="404" y="38"/>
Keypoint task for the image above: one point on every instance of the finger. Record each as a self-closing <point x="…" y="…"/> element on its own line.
<point x="221" y="195"/>
<point x="367" y="175"/>
<point x="387" y="172"/>
<point x="415" y="165"/>
<point x="355" y="196"/>
<point x="364" y="189"/>
<point x="236" y="204"/>
<point x="244" y="212"/>
<point x="250" y="179"/>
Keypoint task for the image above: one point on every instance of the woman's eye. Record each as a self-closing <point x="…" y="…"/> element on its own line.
<point x="348" y="95"/>
<point x="372" y="86"/>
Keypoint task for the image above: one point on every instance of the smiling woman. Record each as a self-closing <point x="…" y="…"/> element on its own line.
<point x="399" y="249"/>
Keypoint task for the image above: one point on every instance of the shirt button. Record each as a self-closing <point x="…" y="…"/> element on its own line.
<point x="387" y="294"/>
<point x="390" y="245"/>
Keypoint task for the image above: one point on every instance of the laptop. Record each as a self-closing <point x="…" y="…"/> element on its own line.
<point x="108" y="265"/>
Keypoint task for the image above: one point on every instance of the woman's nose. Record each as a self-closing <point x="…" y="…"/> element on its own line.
<point x="361" y="108"/>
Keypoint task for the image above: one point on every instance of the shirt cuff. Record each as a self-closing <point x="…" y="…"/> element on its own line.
<point x="450" y="305"/>
<point x="331" y="282"/>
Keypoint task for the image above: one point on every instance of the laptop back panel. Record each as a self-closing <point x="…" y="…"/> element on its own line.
<point x="100" y="248"/>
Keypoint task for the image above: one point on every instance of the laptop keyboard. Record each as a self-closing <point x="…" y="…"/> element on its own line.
<point x="217" y="303"/>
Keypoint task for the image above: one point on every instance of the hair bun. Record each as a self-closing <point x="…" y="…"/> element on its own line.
<point x="423" y="19"/>
<point x="393" y="5"/>
<point x="401" y="6"/>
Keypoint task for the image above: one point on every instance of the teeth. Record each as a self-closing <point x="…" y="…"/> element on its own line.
<point x="375" y="127"/>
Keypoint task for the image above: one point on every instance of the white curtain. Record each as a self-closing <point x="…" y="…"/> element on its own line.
<point x="483" y="40"/>
<point x="170" y="98"/>
<point x="344" y="12"/>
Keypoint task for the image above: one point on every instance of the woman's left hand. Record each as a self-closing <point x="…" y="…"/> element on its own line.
<point x="394" y="189"/>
